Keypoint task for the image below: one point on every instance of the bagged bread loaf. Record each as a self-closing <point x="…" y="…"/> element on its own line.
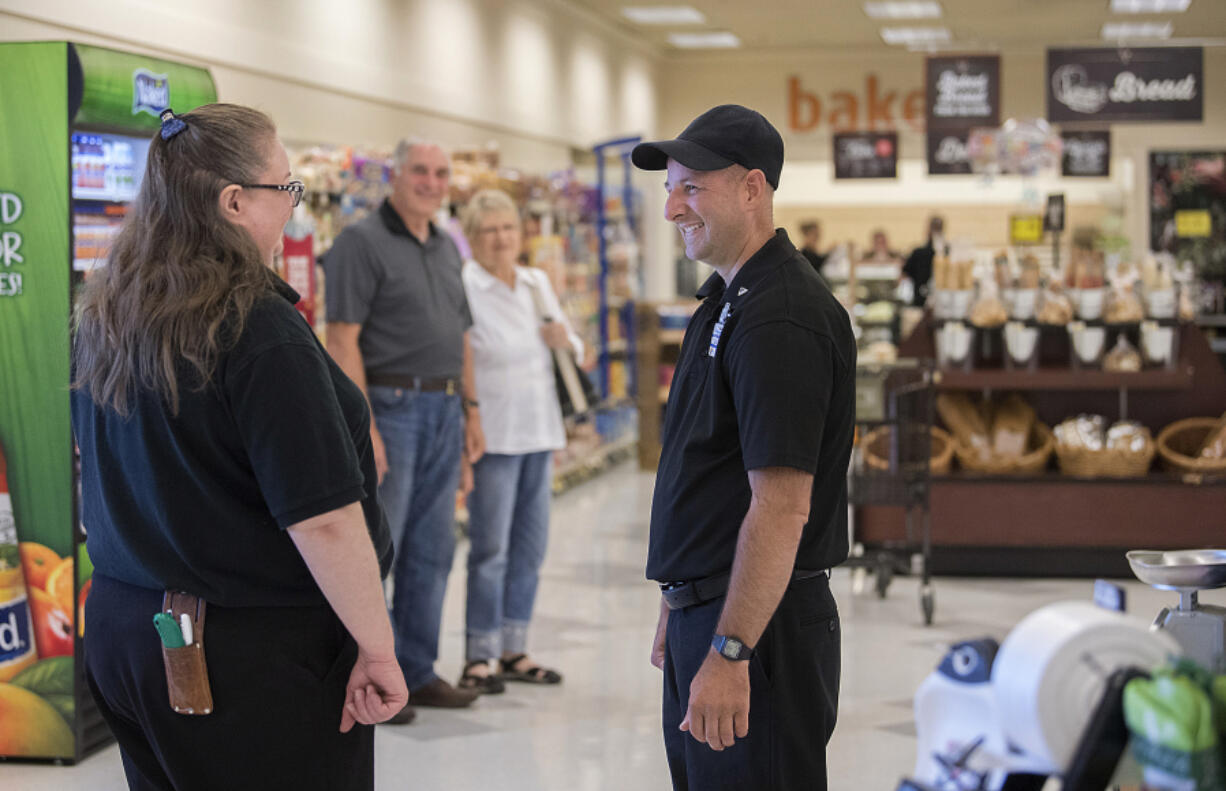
<point x="964" y="420"/>
<point x="1011" y="425"/>
<point x="1123" y="357"/>
<point x="1214" y="446"/>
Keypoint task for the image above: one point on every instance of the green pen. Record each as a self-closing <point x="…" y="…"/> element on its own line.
<point x="168" y="630"/>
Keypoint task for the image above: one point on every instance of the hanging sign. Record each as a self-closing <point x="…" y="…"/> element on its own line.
<point x="1053" y="217"/>
<point x="1126" y="85"/>
<point x="866" y="155"/>
<point x="947" y="152"/>
<point x="1086" y="154"/>
<point x="963" y="91"/>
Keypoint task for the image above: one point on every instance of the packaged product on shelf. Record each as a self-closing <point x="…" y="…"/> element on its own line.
<point x="1084" y="432"/>
<point x="965" y="420"/>
<point x="988" y="310"/>
<point x="1123" y="357"/>
<point x="1128" y="435"/>
<point x="1011" y="424"/>
<point x="1055" y="306"/>
<point x="1214" y="446"/>
<point x="1123" y="306"/>
<point x="1030" y="277"/>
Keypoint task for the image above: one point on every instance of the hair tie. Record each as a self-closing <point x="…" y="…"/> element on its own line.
<point x="171" y="124"/>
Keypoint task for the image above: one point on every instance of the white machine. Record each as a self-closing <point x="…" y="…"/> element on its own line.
<point x="998" y="720"/>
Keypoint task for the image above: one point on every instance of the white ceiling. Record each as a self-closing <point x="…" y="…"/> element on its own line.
<point x="832" y="25"/>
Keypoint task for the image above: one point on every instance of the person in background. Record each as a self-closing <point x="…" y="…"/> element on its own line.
<point x="918" y="266"/>
<point x="398" y="325"/>
<point x="224" y="454"/>
<point x="880" y="251"/>
<point x="750" y="505"/>
<point x="811" y="237"/>
<point x="517" y="324"/>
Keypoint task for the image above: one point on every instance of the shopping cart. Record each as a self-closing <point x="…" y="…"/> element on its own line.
<point x="890" y="467"/>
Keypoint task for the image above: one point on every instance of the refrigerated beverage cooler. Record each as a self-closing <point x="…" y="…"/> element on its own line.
<point x="75" y="126"/>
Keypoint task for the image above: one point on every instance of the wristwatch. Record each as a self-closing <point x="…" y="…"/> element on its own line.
<point x="731" y="648"/>
<point x="471" y="403"/>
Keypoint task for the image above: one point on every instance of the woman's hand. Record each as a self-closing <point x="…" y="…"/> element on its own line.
<point x="554" y="335"/>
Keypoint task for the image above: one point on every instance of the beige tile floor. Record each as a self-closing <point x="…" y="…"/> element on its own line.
<point x="600" y="729"/>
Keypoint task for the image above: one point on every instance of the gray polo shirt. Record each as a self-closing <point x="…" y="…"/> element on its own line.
<point x="408" y="296"/>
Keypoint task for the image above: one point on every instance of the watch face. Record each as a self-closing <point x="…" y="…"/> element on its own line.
<point x="732" y="647"/>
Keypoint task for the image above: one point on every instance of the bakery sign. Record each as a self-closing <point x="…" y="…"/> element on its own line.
<point x="1086" y="153"/>
<point x="1125" y="85"/>
<point x="963" y="91"/>
<point x="947" y="153"/>
<point x="866" y="155"/>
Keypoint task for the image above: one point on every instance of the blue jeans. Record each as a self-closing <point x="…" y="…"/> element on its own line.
<point x="508" y="528"/>
<point x="424" y="435"/>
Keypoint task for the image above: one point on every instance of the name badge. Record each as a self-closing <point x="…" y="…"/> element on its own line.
<point x="719" y="329"/>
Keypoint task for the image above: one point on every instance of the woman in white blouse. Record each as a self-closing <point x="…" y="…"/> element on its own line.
<point x="508" y="510"/>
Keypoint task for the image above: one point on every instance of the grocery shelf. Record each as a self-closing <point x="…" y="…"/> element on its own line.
<point x="1065" y="378"/>
<point x="671" y="337"/>
<point x="598" y="460"/>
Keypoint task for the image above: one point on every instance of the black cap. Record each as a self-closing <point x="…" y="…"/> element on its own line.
<point x="722" y="136"/>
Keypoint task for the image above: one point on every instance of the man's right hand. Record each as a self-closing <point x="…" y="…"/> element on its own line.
<point x="657" y="647"/>
<point x="376" y="445"/>
<point x="376" y="691"/>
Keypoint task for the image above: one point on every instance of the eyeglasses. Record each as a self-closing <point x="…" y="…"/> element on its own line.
<point x="294" y="188"/>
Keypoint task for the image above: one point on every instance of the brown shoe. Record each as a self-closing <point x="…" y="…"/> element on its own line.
<point x="404" y="716"/>
<point x="439" y="694"/>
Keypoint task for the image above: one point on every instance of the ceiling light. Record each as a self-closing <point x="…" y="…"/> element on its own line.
<point x="704" y="40"/>
<point x="1114" y="31"/>
<point x="904" y="9"/>
<point x="915" y="35"/>
<point x="664" y="15"/>
<point x="1149" y="6"/>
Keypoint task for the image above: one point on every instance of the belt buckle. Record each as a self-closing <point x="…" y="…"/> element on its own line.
<point x="450" y="387"/>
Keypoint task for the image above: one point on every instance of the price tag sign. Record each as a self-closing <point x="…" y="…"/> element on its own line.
<point x="1026" y="228"/>
<point x="1192" y="223"/>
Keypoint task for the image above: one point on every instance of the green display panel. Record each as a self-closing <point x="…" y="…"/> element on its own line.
<point x="125" y="91"/>
<point x="37" y="597"/>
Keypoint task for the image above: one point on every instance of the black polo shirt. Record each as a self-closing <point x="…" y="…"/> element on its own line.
<point x="771" y="385"/>
<point x="199" y="501"/>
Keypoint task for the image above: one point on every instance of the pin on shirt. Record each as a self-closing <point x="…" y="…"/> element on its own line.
<point x="719" y="329"/>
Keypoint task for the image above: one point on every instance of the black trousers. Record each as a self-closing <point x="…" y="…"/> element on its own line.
<point x="278" y="677"/>
<point x="793" y="698"/>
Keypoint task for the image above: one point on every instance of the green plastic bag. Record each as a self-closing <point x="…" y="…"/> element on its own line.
<point x="1175" y="721"/>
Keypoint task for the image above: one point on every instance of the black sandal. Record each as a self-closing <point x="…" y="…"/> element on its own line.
<point x="534" y="674"/>
<point x="485" y="685"/>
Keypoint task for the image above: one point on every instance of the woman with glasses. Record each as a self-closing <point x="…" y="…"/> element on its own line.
<point x="225" y="456"/>
<point x="517" y="323"/>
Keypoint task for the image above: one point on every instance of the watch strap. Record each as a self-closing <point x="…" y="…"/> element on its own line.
<point x="731" y="648"/>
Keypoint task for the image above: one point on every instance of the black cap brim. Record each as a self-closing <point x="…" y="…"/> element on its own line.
<point x="655" y="156"/>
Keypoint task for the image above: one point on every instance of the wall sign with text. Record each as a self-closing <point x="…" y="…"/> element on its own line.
<point x="866" y="155"/>
<point x="1139" y="85"/>
<point x="963" y="91"/>
<point x="1086" y="154"/>
<point x="947" y="153"/>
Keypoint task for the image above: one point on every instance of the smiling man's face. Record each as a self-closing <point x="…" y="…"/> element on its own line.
<point x="706" y="206"/>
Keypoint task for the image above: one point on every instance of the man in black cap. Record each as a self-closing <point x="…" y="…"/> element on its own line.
<point x="750" y="506"/>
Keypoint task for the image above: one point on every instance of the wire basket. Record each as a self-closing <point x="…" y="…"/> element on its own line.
<point x="1179" y="444"/>
<point x="879" y="446"/>
<point x="1106" y="462"/>
<point x="1041" y="443"/>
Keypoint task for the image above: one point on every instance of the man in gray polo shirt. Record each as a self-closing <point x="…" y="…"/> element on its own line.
<point x="397" y="325"/>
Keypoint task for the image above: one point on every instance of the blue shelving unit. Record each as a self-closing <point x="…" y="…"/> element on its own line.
<point x="620" y="148"/>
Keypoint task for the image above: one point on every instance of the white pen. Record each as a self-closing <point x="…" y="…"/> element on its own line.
<point x="185" y="625"/>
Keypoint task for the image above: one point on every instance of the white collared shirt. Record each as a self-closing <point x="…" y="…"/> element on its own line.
<point x="512" y="364"/>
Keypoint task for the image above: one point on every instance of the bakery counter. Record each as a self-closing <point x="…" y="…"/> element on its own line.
<point x="1053" y="525"/>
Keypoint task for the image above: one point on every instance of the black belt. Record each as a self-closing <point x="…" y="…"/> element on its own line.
<point x="679" y="595"/>
<point x="448" y="386"/>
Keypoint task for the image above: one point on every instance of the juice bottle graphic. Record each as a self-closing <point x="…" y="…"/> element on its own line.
<point x="17" y="649"/>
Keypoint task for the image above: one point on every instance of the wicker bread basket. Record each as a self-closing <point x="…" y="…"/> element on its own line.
<point x="1034" y="461"/>
<point x="1105" y="463"/>
<point x="877" y="450"/>
<point x="1179" y="443"/>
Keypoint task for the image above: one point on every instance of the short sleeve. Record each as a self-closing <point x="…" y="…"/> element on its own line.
<point x="781" y="377"/>
<point x="295" y="434"/>
<point x="352" y="276"/>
